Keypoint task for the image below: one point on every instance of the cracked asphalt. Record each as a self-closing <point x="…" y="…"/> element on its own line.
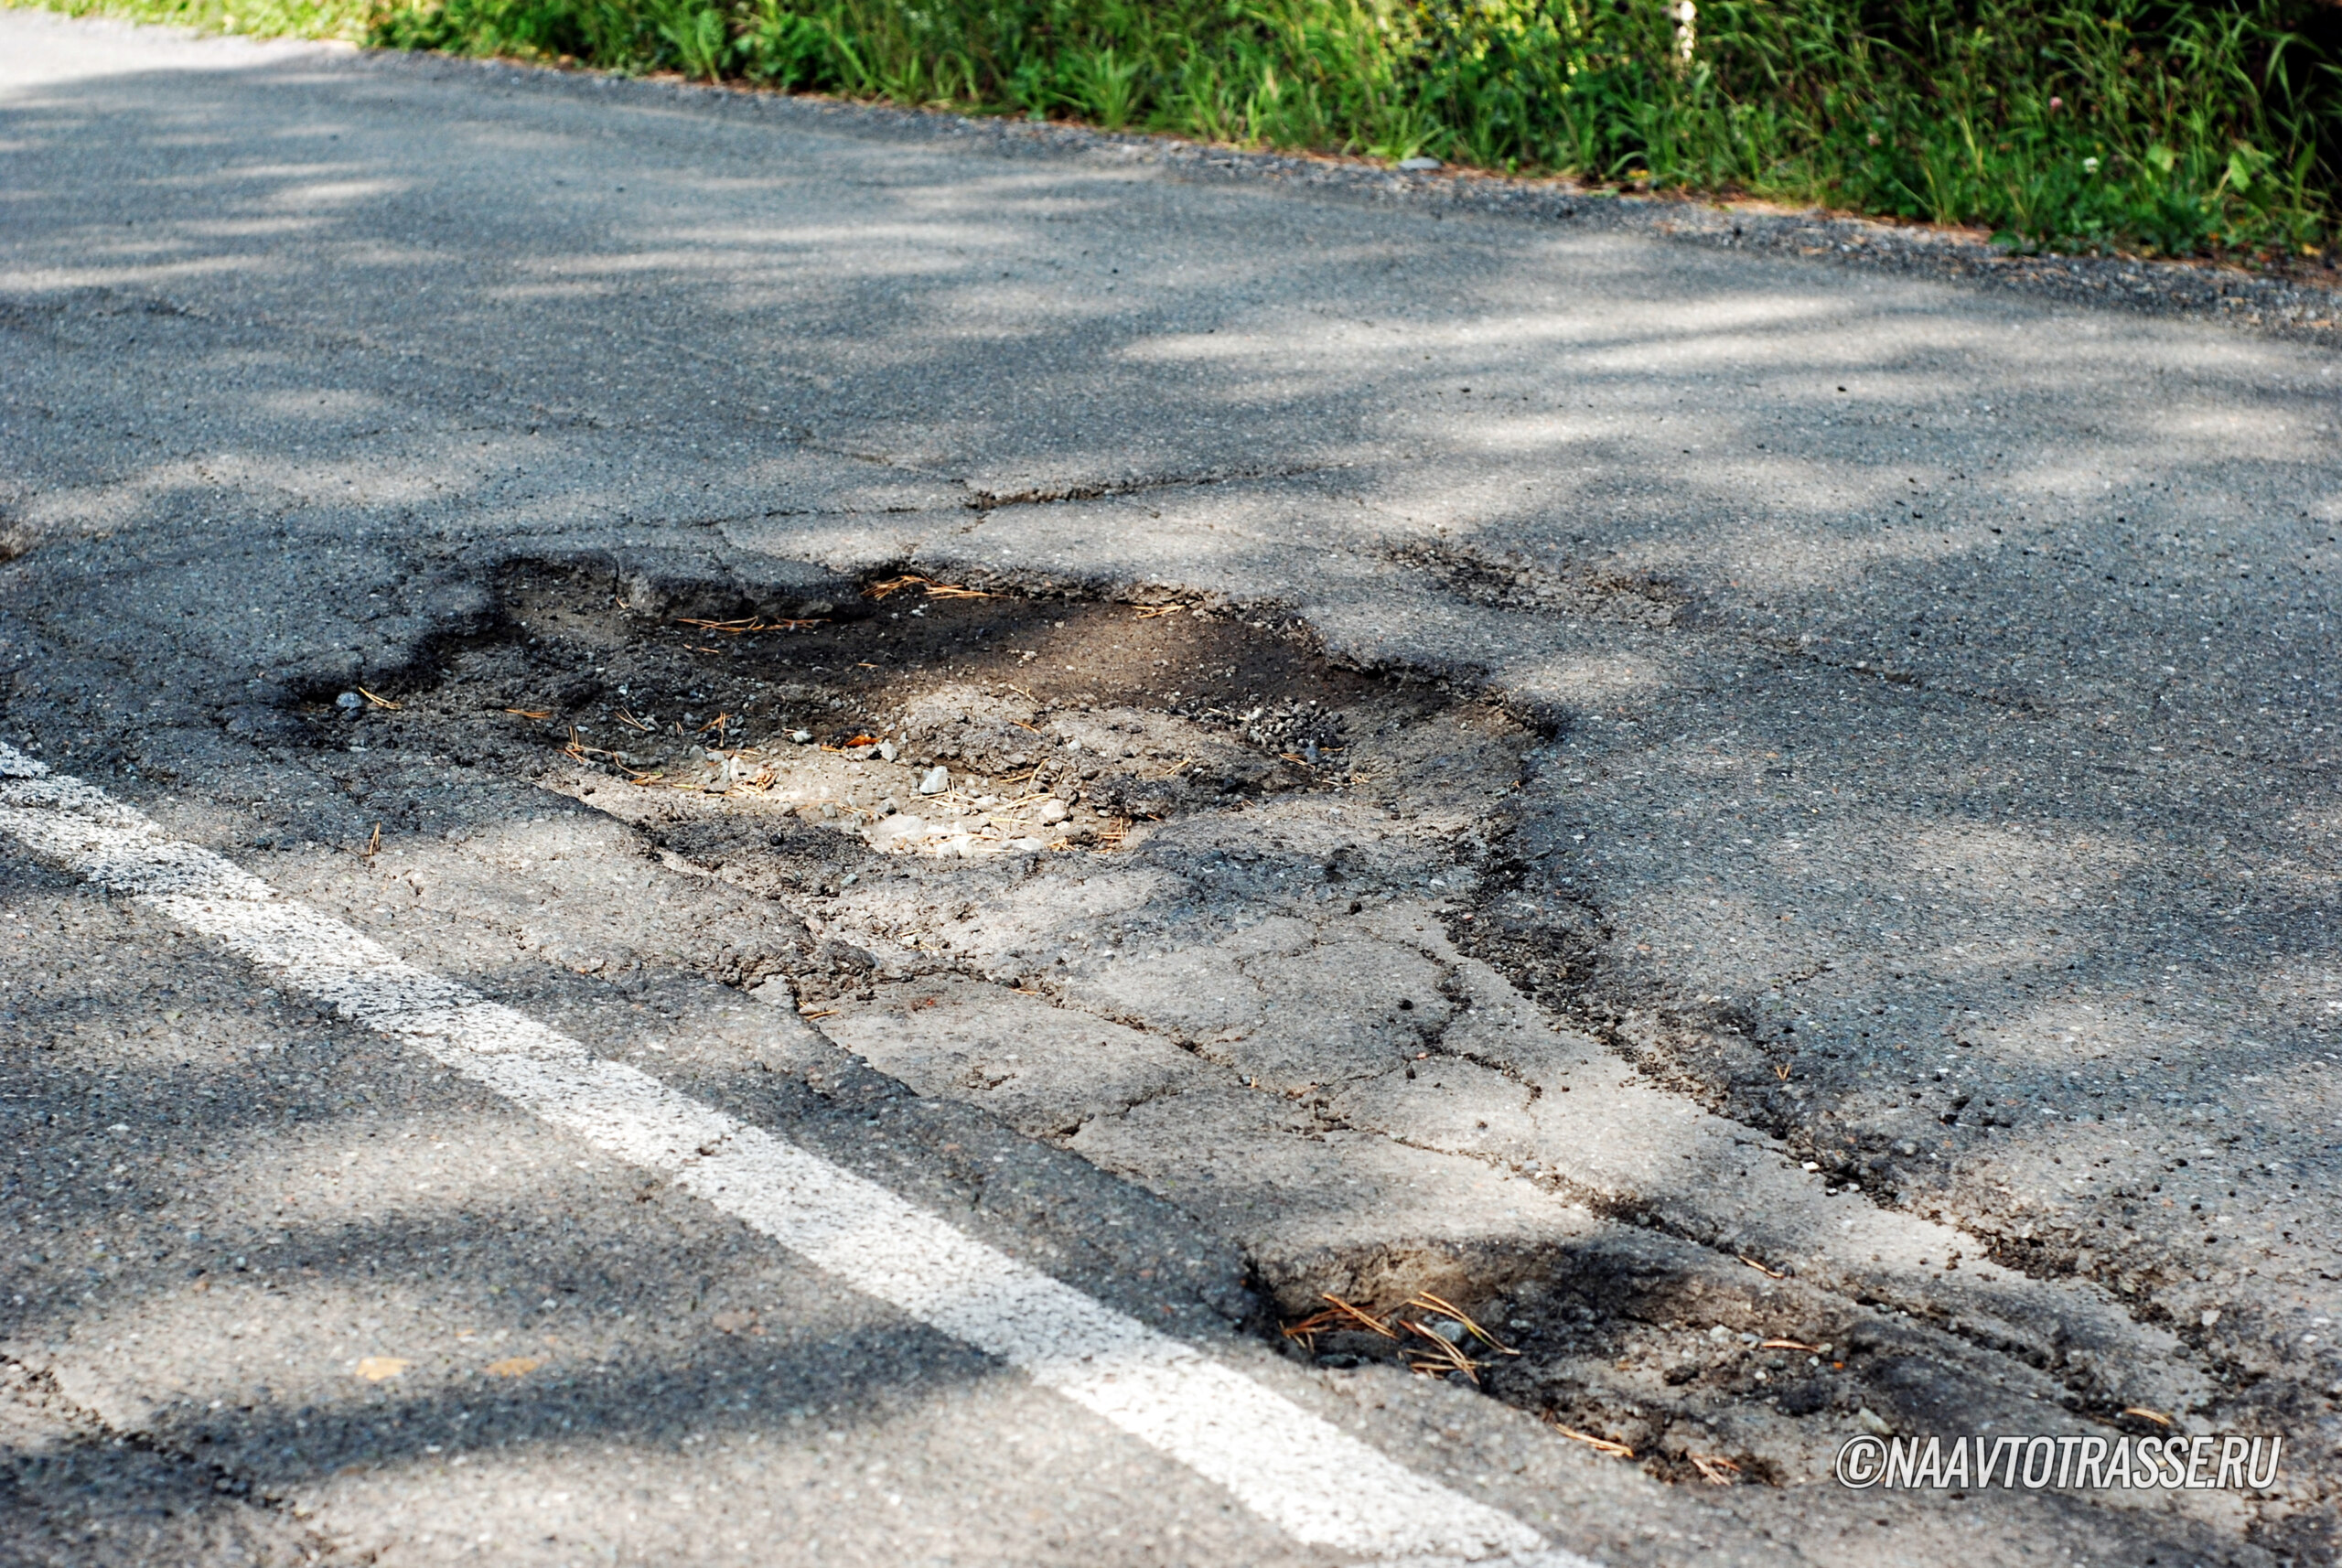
<point x="1758" y="827"/>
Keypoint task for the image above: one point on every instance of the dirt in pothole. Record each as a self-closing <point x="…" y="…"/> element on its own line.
<point x="897" y="662"/>
<point x="1117" y="713"/>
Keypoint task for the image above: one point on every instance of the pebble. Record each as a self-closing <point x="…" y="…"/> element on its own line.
<point x="886" y="751"/>
<point x="1419" y="164"/>
<point x="349" y="702"/>
<point x="695" y="768"/>
<point x="937" y="780"/>
<point x="803" y="736"/>
<point x="1052" y="812"/>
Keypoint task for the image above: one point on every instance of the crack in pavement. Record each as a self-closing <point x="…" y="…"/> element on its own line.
<point x="1306" y="1477"/>
<point x="75" y="1484"/>
<point x="1050" y="495"/>
<point x="1293" y="947"/>
<point x="1784" y="1236"/>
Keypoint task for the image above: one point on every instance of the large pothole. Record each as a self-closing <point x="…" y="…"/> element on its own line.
<point x="1159" y="884"/>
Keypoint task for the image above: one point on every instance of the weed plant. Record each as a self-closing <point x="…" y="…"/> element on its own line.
<point x="2155" y="125"/>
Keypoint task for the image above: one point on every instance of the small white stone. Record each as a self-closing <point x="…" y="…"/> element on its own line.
<point x="887" y="752"/>
<point x="936" y="780"/>
<point x="1052" y="812"/>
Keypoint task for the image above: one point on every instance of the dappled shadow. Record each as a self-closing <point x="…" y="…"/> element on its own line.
<point x="288" y="1264"/>
<point x="1925" y="680"/>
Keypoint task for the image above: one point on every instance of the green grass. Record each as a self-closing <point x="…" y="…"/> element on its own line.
<point x="350" y="20"/>
<point x="2150" y="125"/>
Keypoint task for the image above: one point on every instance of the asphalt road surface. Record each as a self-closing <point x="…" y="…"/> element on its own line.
<point x="733" y="829"/>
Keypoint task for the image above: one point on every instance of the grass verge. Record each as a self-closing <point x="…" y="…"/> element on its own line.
<point x="2155" y="126"/>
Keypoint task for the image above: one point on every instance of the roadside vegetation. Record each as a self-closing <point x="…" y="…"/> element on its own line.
<point x="2145" y="125"/>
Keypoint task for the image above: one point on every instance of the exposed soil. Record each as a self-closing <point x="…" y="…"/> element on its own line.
<point x="1166" y="705"/>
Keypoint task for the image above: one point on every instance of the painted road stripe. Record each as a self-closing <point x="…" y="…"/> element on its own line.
<point x="1297" y="1471"/>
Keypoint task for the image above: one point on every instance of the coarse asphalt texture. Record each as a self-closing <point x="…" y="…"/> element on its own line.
<point x="1592" y="858"/>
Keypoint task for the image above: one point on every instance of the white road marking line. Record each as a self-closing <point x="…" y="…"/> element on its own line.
<point x="1299" y="1472"/>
